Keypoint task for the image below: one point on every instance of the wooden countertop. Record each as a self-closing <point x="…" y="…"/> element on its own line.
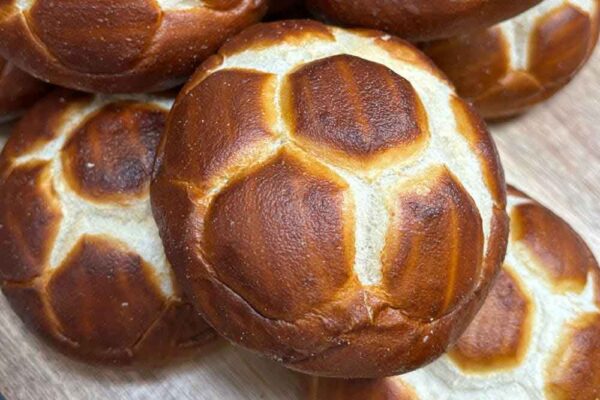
<point x="552" y="153"/>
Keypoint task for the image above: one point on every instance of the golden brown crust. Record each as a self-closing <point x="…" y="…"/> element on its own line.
<point x="228" y="135"/>
<point x="498" y="337"/>
<point x="99" y="299"/>
<point x="420" y="20"/>
<point x="18" y="90"/>
<point x="110" y="156"/>
<point x="108" y="46"/>
<point x="104" y="295"/>
<point x="29" y="218"/>
<point x="304" y="264"/>
<point x="574" y="372"/>
<point x="259" y="219"/>
<point x="347" y="108"/>
<point x="432" y="257"/>
<point x="474" y="62"/>
<point x="502" y="350"/>
<point x="561" y="41"/>
<point x="557" y="252"/>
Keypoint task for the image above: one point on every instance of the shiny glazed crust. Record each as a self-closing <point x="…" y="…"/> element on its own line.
<point x="420" y="20"/>
<point x="537" y="335"/>
<point x="18" y="90"/>
<point x="506" y="69"/>
<point x="116" y="47"/>
<point x="326" y="200"/>
<point x="80" y="257"/>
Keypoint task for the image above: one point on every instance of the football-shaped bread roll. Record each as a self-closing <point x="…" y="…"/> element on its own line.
<point x="113" y="46"/>
<point x="536" y="337"/>
<point x="18" y="90"/>
<point x="419" y="20"/>
<point x="506" y="69"/>
<point x="327" y="200"/>
<point x="81" y="261"/>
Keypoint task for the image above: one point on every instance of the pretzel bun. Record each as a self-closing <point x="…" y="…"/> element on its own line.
<point x="81" y="261"/>
<point x="112" y="46"/>
<point x="536" y="337"/>
<point x="18" y="90"/>
<point x="328" y="201"/>
<point x="506" y="69"/>
<point x="420" y="20"/>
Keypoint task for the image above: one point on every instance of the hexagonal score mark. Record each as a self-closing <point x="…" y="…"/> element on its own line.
<point x="354" y="112"/>
<point x="434" y="246"/>
<point x="287" y="229"/>
<point x="105" y="37"/>
<point x="30" y="216"/>
<point x="104" y="296"/>
<point x="111" y="155"/>
<point x="498" y="337"/>
<point x="573" y="371"/>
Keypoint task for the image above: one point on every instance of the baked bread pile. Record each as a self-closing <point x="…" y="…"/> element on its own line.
<point x="82" y="262"/>
<point x="537" y="335"/>
<point x="327" y="197"/>
<point x="509" y="67"/>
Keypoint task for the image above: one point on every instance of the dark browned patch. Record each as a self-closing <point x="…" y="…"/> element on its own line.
<point x="217" y="122"/>
<point x="560" y="44"/>
<point x="347" y="107"/>
<point x="498" y="337"/>
<point x="560" y="253"/>
<point x="104" y="296"/>
<point x="573" y="372"/>
<point x="279" y="238"/>
<point x="29" y="220"/>
<point x="97" y="36"/>
<point x="111" y="155"/>
<point x="434" y="247"/>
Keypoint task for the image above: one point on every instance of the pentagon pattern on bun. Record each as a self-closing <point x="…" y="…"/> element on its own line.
<point x="18" y="90"/>
<point x="112" y="46"/>
<point x="327" y="200"/>
<point x="81" y="261"/>
<point x="506" y="69"/>
<point x="536" y="337"/>
<point x="420" y="20"/>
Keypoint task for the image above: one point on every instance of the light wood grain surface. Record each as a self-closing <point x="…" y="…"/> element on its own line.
<point x="553" y="153"/>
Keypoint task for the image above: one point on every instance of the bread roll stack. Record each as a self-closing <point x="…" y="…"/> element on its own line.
<point x="81" y="261"/>
<point x="506" y="69"/>
<point x="536" y="337"/>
